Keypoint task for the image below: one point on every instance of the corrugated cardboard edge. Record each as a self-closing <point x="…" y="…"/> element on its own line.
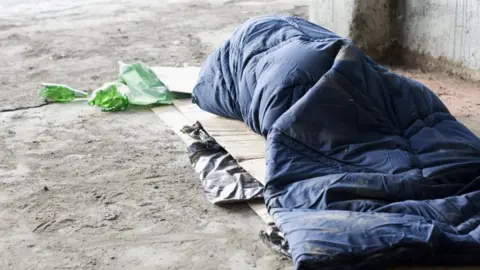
<point x="175" y="120"/>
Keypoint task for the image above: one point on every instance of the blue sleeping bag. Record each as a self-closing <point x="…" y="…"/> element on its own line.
<point x="365" y="168"/>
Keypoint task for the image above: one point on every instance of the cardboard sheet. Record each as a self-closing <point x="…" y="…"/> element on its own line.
<point x="174" y="119"/>
<point x="178" y="79"/>
<point x="234" y="136"/>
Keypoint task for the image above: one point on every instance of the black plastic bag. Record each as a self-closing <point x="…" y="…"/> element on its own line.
<point x="222" y="178"/>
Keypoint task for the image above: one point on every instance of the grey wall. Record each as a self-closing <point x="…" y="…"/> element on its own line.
<point x="435" y="33"/>
<point x="443" y="28"/>
<point x="367" y="22"/>
<point x="336" y="16"/>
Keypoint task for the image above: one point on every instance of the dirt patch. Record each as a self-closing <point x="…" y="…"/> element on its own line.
<point x="462" y="97"/>
<point x="82" y="189"/>
<point x="80" y="44"/>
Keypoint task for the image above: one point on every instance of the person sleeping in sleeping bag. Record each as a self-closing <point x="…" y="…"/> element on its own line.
<point x="364" y="168"/>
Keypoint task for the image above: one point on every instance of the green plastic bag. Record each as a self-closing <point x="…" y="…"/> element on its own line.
<point x="110" y="97"/>
<point x="60" y="93"/>
<point x="145" y="87"/>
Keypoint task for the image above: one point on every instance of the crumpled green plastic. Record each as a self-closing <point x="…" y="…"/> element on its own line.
<point x="137" y="85"/>
<point x="110" y="97"/>
<point x="145" y="88"/>
<point x="60" y="93"/>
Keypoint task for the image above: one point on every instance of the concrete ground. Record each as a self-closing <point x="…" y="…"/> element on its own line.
<point x="82" y="189"/>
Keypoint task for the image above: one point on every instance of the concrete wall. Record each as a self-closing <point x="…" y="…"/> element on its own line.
<point x="435" y="34"/>
<point x="448" y="29"/>
<point x="367" y="22"/>
<point x="337" y="16"/>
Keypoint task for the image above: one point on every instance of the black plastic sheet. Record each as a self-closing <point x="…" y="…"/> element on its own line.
<point x="276" y="240"/>
<point x="222" y="178"/>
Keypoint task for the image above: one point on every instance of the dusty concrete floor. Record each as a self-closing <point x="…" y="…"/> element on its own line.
<point x="121" y="193"/>
<point x="460" y="96"/>
<point x="82" y="189"/>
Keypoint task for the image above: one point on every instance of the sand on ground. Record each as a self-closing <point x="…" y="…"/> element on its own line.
<point x="84" y="189"/>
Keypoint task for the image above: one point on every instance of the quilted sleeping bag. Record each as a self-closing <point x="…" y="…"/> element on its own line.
<point x="365" y="168"/>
